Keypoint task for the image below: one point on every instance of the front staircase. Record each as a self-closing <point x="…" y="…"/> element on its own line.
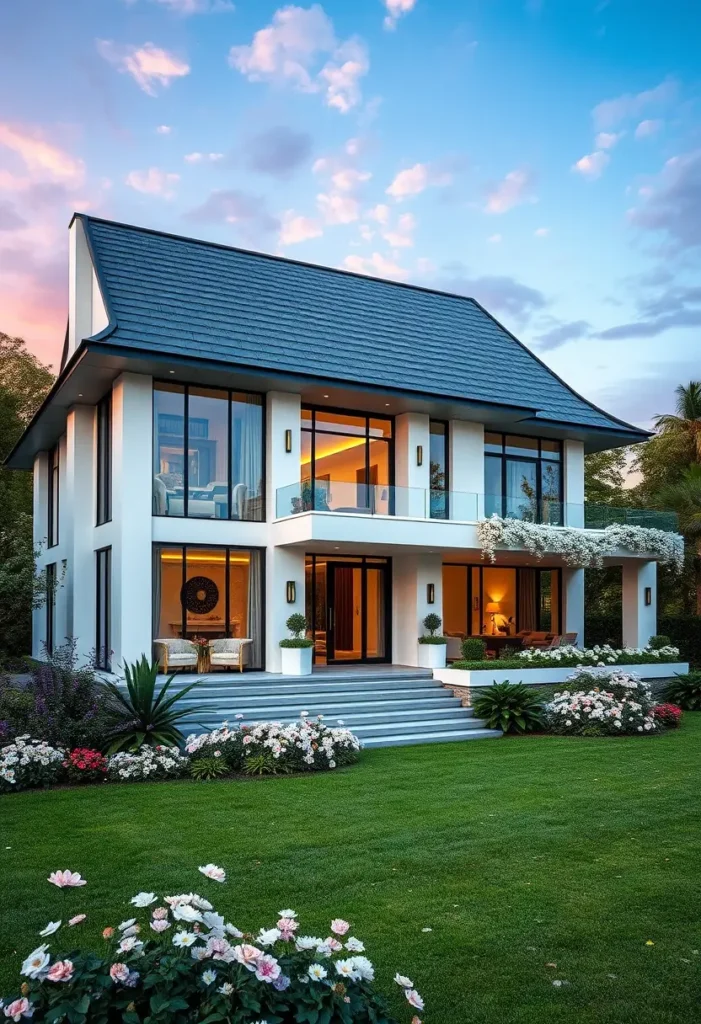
<point x="390" y="709"/>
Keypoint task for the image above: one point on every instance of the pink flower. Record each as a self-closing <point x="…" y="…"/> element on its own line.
<point x="62" y="970"/>
<point x="247" y="740"/>
<point x="19" y="1008"/>
<point x="333" y="944"/>
<point x="414" y="999"/>
<point x="66" y="879"/>
<point x="339" y="926"/>
<point x="160" y="914"/>
<point x="267" y="969"/>
<point x="159" y="925"/>
<point x="77" y="919"/>
<point x="247" y="955"/>
<point x="119" y="972"/>
<point x="219" y="949"/>
<point x="287" y="926"/>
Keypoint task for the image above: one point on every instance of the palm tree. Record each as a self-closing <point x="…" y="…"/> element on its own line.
<point x="687" y="420"/>
<point x="685" y="498"/>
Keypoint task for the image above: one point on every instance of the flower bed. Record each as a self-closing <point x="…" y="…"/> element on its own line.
<point x="28" y="763"/>
<point x="183" y="961"/>
<point x="578" y="547"/>
<point x="601" y="704"/>
<point x="570" y="657"/>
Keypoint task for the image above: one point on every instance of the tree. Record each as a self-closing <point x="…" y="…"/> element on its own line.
<point x="687" y="420"/>
<point x="684" y="497"/>
<point x="24" y="382"/>
<point x="604" y="477"/>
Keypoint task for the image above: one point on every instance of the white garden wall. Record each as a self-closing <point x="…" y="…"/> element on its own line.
<point x="473" y="678"/>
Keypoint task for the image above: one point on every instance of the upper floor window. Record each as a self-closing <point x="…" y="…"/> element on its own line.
<point x="50" y="629"/>
<point x="104" y="460"/>
<point x="347" y="462"/>
<point x="52" y="494"/>
<point x="438" y="455"/>
<point x="207" y="453"/>
<point x="523" y="478"/>
<point x="103" y="610"/>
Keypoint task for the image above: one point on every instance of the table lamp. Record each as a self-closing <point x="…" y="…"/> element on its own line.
<point x="492" y="608"/>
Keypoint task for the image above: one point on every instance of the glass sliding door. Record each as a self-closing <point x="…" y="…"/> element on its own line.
<point x="348" y="605"/>
<point x="500" y="601"/>
<point x="211" y="592"/>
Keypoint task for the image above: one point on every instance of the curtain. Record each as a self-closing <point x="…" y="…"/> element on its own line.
<point x="343" y="608"/>
<point x="527" y="602"/>
<point x="156" y="605"/>
<point x="249" y="410"/>
<point x="521" y="490"/>
<point x="255" y="608"/>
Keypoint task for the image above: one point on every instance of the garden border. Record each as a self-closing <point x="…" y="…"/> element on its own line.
<point x="471" y="679"/>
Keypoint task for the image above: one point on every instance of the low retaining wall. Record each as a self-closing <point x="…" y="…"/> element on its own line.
<point x="462" y="681"/>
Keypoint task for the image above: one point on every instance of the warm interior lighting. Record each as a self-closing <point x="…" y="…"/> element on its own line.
<point x="291" y="592"/>
<point x="334" y="446"/>
<point x="288" y="440"/>
<point x="492" y="608"/>
<point x="419" y="455"/>
<point x="211" y="559"/>
<point x="430" y="593"/>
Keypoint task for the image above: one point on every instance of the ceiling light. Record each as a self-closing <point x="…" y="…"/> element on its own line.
<point x="326" y="396"/>
<point x="171" y="371"/>
<point x="386" y="405"/>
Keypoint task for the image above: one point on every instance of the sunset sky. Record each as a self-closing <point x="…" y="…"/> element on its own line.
<point x="543" y="156"/>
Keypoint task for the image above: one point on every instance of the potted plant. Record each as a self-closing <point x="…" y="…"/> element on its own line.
<point x="297" y="649"/>
<point x="432" y="647"/>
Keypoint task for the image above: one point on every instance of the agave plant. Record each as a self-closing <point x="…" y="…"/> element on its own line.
<point x="685" y="691"/>
<point x="140" y="717"/>
<point x="511" y="707"/>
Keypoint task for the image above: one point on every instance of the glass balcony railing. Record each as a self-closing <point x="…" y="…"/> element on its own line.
<point x="457" y="506"/>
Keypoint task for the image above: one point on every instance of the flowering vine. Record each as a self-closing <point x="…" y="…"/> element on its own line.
<point x="579" y="548"/>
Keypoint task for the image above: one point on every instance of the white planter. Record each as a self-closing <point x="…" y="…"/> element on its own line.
<point x="296" y="661"/>
<point x="486" y="676"/>
<point x="432" y="655"/>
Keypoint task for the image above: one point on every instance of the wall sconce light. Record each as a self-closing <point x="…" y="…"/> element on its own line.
<point x="288" y="441"/>
<point x="648" y="595"/>
<point x="291" y="591"/>
<point x="419" y="455"/>
<point x="430" y="593"/>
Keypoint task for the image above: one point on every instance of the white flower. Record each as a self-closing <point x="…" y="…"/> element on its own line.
<point x="266" y="937"/>
<point x="346" y="969"/>
<point x="403" y="981"/>
<point x="184" y="912"/>
<point x="37" y="963"/>
<point x="414" y="999"/>
<point x="184" y="939"/>
<point x="213" y="872"/>
<point x="209" y="977"/>
<point x="130" y="944"/>
<point x="287" y="913"/>
<point x="363" y="968"/>
<point x="226" y="989"/>
<point x="231" y="929"/>
<point x="160" y="925"/>
<point x="126" y="924"/>
<point x="52" y="926"/>
<point x="144" y="899"/>
<point x="355" y="945"/>
<point x="307" y="942"/>
<point x="316" y="972"/>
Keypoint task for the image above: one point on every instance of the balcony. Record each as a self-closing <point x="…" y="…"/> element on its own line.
<point x="353" y="498"/>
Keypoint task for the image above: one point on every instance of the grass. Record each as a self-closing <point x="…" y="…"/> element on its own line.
<point x="518" y="854"/>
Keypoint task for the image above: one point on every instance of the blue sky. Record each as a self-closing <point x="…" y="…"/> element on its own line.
<point x="543" y="156"/>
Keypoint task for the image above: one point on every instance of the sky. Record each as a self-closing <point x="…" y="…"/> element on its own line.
<point x="542" y="156"/>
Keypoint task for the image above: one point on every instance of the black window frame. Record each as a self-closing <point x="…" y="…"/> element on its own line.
<point x="103" y="608"/>
<point x="52" y="495"/>
<point x="50" y="630"/>
<point x="469" y="566"/>
<point x="103" y="460"/>
<point x="537" y="460"/>
<point x="313" y="430"/>
<point x="445" y="490"/>
<point x="186" y="462"/>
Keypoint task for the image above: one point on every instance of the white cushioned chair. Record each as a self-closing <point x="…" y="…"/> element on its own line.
<point x="228" y="652"/>
<point x="173" y="652"/>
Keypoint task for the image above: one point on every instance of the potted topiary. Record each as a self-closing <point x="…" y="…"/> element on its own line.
<point x="297" y="649"/>
<point x="432" y="647"/>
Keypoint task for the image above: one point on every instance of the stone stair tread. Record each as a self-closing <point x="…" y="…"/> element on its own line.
<point x="416" y="738"/>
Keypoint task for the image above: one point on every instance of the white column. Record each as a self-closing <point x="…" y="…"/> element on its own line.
<point x="573" y="483"/>
<point x="466" y="470"/>
<point x="40" y="518"/>
<point x="77" y="519"/>
<point x="412" y="481"/>
<point x="132" y="404"/>
<point x="573" y="603"/>
<point x="411" y="575"/>
<point x="283" y="413"/>
<point x="639" y="618"/>
<point x="283" y="565"/>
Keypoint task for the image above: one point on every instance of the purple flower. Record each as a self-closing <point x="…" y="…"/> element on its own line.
<point x="282" y="982"/>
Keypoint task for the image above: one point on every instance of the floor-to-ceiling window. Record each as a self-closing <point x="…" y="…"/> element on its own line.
<point x="438" y="440"/>
<point x="500" y="601"/>
<point x="208" y="453"/>
<point x="211" y="592"/>
<point x="53" y="469"/>
<point x="103" y="460"/>
<point x="50" y="609"/>
<point x="103" y="608"/>
<point x="348" y="607"/>
<point x="523" y="478"/>
<point x="347" y="463"/>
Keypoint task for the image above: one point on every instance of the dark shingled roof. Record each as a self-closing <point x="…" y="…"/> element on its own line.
<point x="178" y="296"/>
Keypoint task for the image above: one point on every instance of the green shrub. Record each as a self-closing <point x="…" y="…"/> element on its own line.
<point x="298" y="626"/>
<point x="142" y="718"/>
<point x="432" y="623"/>
<point x="685" y="691"/>
<point x="656" y="643"/>
<point x="511" y="707"/>
<point x="508" y="652"/>
<point x="473" y="649"/>
<point x="263" y="764"/>
<point x="16" y="709"/>
<point x="202" y="769"/>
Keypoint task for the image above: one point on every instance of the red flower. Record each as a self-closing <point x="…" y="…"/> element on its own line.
<point x="668" y="714"/>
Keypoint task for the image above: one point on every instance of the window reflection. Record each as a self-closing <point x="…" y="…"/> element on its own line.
<point x="523" y="478"/>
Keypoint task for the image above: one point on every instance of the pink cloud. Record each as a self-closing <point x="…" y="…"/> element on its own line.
<point x="395" y="10"/>
<point x="148" y="65"/>
<point x="296" y="228"/>
<point x="514" y="190"/>
<point x="153" y="182"/>
<point x="412" y="180"/>
<point x="647" y="128"/>
<point x="376" y="265"/>
<point x="41" y="159"/>
<point x="592" y="165"/>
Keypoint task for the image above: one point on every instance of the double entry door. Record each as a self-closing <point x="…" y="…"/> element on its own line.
<point x="358" y="612"/>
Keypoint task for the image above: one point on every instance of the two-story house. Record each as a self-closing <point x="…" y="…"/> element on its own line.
<point x="235" y="436"/>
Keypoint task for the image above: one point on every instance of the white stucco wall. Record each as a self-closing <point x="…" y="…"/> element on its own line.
<point x="466" y="447"/>
<point x="639" y="619"/>
<point x="573" y="482"/>
<point x="411" y="575"/>
<point x="411" y="431"/>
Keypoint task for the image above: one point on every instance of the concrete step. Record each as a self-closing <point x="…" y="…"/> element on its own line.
<point x="209" y="690"/>
<point x="456" y="723"/>
<point x="418" y="737"/>
<point x="300" y="698"/>
<point x="331" y="712"/>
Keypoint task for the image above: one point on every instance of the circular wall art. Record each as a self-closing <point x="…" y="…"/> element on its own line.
<point x="201" y="595"/>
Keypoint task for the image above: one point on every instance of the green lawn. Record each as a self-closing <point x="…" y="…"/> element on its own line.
<point x="517" y="854"/>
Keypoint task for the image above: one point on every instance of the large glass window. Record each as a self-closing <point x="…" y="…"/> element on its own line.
<point x="211" y="592"/>
<point x="500" y="601"/>
<point x="104" y="460"/>
<point x="222" y="433"/>
<point x="523" y="478"/>
<point x="53" y="497"/>
<point x="438" y="433"/>
<point x="103" y="608"/>
<point x="50" y="630"/>
<point x="347" y="462"/>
